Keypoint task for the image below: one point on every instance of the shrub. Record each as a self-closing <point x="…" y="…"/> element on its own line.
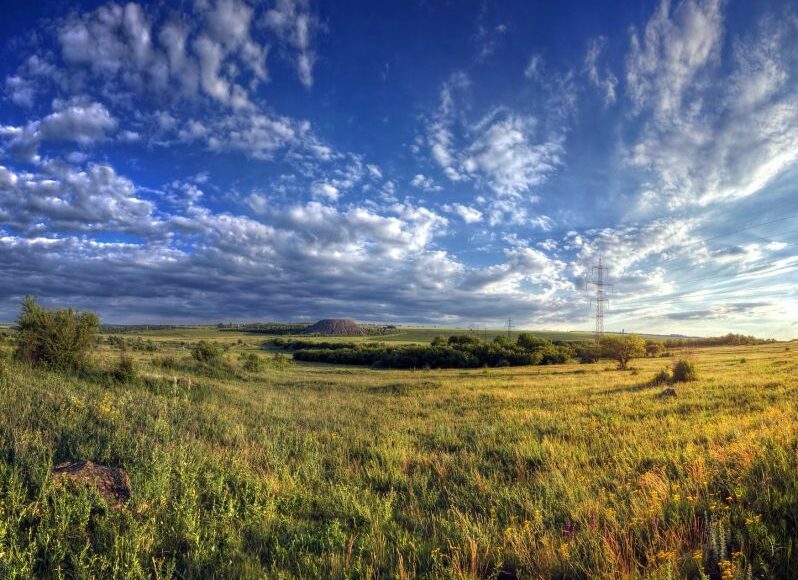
<point x="165" y="362"/>
<point x="623" y="348"/>
<point x="684" y="371"/>
<point x="206" y="352"/>
<point x="251" y="362"/>
<point x="59" y="339"/>
<point x="663" y="377"/>
<point x="125" y="371"/>
<point x="280" y="361"/>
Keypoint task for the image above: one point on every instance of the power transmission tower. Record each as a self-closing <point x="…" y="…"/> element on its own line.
<point x="509" y="328"/>
<point x="598" y="279"/>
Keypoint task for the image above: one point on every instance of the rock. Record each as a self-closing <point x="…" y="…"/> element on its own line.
<point x="112" y="483"/>
<point x="668" y="392"/>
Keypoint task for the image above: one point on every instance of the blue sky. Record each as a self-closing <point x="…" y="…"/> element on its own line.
<point x="448" y="163"/>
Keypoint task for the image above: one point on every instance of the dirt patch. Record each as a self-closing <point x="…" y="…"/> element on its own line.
<point x="110" y="482"/>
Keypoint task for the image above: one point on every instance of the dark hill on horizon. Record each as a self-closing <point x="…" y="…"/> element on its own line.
<point x="335" y="327"/>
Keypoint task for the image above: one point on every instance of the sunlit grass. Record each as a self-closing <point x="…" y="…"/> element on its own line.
<point x="320" y="471"/>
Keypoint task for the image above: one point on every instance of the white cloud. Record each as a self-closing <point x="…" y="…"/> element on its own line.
<point x="535" y="67"/>
<point x="423" y="182"/>
<point x="607" y="81"/>
<point x="67" y="199"/>
<point x="674" y="47"/>
<point x="326" y="191"/>
<point x="469" y="215"/>
<point x="507" y="157"/>
<point x="295" y="26"/>
<point x="76" y="121"/>
<point x="711" y="131"/>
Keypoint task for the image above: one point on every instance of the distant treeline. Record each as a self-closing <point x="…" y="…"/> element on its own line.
<point x="122" y="328"/>
<point x="299" y="344"/>
<point x="282" y="328"/>
<point x="462" y="351"/>
<point x="726" y="340"/>
<point x="275" y="328"/>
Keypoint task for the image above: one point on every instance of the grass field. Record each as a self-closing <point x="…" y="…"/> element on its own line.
<point x="321" y="471"/>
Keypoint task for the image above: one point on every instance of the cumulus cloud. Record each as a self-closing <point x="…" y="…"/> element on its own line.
<point x="469" y="215"/>
<point x="62" y="198"/>
<point x="423" y="182"/>
<point x="141" y="62"/>
<point x="76" y="121"/>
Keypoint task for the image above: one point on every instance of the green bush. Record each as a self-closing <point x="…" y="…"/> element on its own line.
<point x="206" y="352"/>
<point x="251" y="362"/>
<point x="684" y="371"/>
<point x="59" y="339"/>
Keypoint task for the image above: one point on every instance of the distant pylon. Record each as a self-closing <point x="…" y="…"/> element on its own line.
<point x="509" y="327"/>
<point x="598" y="279"/>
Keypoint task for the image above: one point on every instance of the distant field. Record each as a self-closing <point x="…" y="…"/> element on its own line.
<point x="322" y="471"/>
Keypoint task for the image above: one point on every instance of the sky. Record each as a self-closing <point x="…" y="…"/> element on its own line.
<point x="448" y="163"/>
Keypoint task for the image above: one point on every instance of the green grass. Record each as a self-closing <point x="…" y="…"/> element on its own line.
<point x="321" y="471"/>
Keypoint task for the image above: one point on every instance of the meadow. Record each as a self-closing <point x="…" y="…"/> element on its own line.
<point x="308" y="470"/>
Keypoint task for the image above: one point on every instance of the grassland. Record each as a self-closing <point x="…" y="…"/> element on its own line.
<point x="321" y="471"/>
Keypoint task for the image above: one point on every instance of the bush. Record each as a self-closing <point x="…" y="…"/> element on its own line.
<point x="663" y="377"/>
<point x="623" y="348"/>
<point x="59" y="339"/>
<point x="125" y="370"/>
<point x="206" y="352"/>
<point x="684" y="371"/>
<point x="251" y="362"/>
<point x="165" y="362"/>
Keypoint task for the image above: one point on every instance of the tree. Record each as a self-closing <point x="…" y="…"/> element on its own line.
<point x="654" y="348"/>
<point x="623" y="348"/>
<point x="56" y="338"/>
<point x="529" y="341"/>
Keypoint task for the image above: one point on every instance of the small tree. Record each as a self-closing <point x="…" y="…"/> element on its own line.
<point x="56" y="338"/>
<point x="623" y="348"/>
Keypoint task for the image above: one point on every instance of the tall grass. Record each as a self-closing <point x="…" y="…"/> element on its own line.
<point x="319" y="471"/>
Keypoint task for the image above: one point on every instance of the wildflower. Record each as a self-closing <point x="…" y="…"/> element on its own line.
<point x="565" y="552"/>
